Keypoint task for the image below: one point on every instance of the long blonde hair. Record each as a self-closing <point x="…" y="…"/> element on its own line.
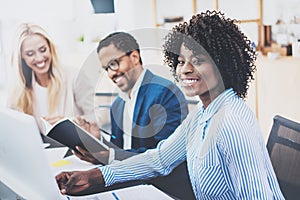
<point x="24" y="99"/>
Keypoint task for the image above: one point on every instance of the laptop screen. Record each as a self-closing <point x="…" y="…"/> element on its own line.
<point x="23" y="163"/>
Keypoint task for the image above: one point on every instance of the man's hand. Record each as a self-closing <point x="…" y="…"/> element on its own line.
<point x="90" y="127"/>
<point x="95" y="158"/>
<point x="77" y="181"/>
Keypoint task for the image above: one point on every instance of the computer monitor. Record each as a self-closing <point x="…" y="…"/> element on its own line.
<point x="103" y="6"/>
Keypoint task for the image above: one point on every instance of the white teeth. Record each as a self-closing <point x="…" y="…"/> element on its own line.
<point x="189" y="81"/>
<point x="118" y="79"/>
<point x="41" y="64"/>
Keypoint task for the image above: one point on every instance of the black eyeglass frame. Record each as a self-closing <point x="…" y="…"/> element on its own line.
<point x="115" y="63"/>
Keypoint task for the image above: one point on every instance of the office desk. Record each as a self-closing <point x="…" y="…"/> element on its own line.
<point x="145" y="192"/>
<point x="97" y="188"/>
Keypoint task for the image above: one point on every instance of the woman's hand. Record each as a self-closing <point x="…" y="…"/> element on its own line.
<point x="95" y="158"/>
<point x="53" y="119"/>
<point x="77" y="181"/>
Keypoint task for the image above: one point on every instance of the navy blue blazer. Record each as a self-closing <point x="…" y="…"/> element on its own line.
<point x="160" y="107"/>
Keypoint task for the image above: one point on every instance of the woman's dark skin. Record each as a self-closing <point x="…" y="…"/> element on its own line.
<point x="78" y="181"/>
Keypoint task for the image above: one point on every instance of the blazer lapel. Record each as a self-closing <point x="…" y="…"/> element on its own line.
<point x="117" y="122"/>
<point x="141" y="97"/>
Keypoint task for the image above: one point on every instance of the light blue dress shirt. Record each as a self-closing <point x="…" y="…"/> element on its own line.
<point x="225" y="152"/>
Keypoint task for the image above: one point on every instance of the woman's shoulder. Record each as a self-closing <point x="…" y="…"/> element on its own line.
<point x="234" y="115"/>
<point x="69" y="73"/>
<point x="235" y="120"/>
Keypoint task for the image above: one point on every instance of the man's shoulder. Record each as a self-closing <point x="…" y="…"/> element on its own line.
<point x="157" y="79"/>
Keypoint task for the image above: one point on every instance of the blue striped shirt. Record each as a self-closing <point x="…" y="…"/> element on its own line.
<point x="224" y="149"/>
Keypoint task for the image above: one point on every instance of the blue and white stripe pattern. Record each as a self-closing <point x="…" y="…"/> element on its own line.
<point x="225" y="152"/>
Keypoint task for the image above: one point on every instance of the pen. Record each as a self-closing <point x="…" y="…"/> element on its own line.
<point x="115" y="196"/>
<point x="107" y="133"/>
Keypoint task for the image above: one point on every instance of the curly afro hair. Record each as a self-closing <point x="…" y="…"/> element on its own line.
<point x="222" y="40"/>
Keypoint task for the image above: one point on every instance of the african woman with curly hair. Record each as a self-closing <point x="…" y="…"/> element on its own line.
<point x="220" y="139"/>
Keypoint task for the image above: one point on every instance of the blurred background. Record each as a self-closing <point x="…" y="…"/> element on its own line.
<point x="78" y="25"/>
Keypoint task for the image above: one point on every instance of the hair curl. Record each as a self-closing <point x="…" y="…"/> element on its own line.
<point x="223" y="41"/>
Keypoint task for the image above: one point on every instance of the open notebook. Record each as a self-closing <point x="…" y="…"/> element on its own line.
<point x="23" y="164"/>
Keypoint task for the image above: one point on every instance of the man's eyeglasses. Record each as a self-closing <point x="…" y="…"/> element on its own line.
<point x="114" y="64"/>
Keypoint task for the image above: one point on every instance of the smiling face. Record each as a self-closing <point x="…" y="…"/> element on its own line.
<point x="197" y="75"/>
<point x="36" y="53"/>
<point x="129" y="67"/>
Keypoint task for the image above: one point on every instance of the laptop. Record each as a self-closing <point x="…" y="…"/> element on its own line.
<point x="23" y="164"/>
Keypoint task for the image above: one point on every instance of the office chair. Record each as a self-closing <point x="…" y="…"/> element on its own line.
<point x="284" y="149"/>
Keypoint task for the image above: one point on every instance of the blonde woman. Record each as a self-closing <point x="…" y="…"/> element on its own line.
<point x="43" y="88"/>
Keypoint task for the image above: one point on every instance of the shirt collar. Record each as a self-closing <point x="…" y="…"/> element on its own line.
<point x="213" y="108"/>
<point x="217" y="103"/>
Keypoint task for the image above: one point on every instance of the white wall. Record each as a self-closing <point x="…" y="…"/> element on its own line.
<point x="66" y="20"/>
